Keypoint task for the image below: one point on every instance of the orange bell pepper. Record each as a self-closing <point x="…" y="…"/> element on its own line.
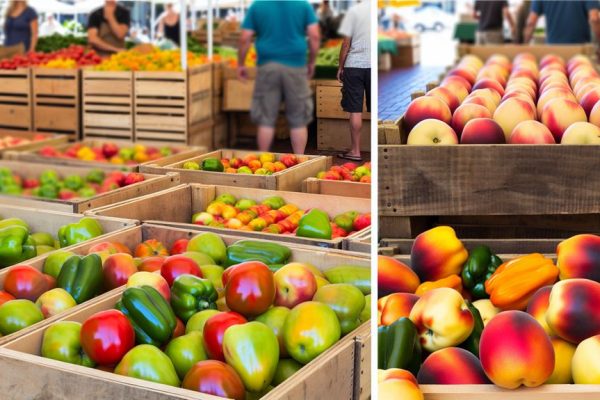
<point x="453" y="281"/>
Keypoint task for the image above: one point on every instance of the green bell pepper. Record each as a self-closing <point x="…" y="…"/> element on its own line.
<point x="472" y="342"/>
<point x="190" y="294"/>
<point x="398" y="346"/>
<point x="265" y="252"/>
<point x="49" y="177"/>
<point x="149" y="313"/>
<point x="82" y="277"/>
<point x="74" y="182"/>
<point x="86" y="229"/>
<point x="274" y="202"/>
<point x="8" y="222"/>
<point x="315" y="224"/>
<point x="15" y="245"/>
<point x="479" y="267"/>
<point x="212" y="165"/>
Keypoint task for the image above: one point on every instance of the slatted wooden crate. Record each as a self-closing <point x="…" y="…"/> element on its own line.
<point x="334" y="135"/>
<point x="237" y="95"/>
<point x="176" y="206"/>
<point x="220" y="130"/>
<point x="15" y="100"/>
<point x="511" y="50"/>
<point x="56" y="101"/>
<point x="289" y="179"/>
<point x="55" y="378"/>
<point x="151" y="184"/>
<point x="360" y="243"/>
<point x="171" y="106"/>
<point x="47" y="140"/>
<point x="337" y="188"/>
<point x="363" y="388"/>
<point x="107" y="104"/>
<point x="329" y="98"/>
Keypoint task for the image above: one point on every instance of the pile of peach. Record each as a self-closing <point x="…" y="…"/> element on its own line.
<point x="518" y="102"/>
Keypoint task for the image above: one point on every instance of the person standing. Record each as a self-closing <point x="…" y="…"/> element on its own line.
<point x="567" y="22"/>
<point x="107" y="28"/>
<point x="491" y="15"/>
<point x="21" y="26"/>
<point x="168" y="26"/>
<point x="281" y="29"/>
<point x="354" y="71"/>
<point x="521" y="21"/>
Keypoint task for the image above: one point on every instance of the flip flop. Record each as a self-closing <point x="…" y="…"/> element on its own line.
<point x="349" y="157"/>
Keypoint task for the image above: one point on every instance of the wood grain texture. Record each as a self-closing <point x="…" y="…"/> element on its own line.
<point x="337" y="188"/>
<point x="504" y="246"/>
<point x="362" y="365"/>
<point x="334" y="135"/>
<point x="16" y="105"/>
<point x="539" y="51"/>
<point x="491" y="392"/>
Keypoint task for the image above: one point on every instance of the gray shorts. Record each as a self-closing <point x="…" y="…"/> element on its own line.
<point x="276" y="83"/>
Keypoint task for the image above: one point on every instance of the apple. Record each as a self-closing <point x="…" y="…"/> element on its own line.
<point x="54" y="302"/>
<point x="581" y="133"/>
<point x="294" y="284"/>
<point x="117" y="270"/>
<point x="432" y="132"/>
<point x="151" y="279"/>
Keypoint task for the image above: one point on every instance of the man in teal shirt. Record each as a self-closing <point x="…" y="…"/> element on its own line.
<point x="281" y="29"/>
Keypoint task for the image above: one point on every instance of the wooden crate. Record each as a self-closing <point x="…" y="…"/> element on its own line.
<point x="388" y="132"/>
<point x="337" y="188"/>
<point x="287" y="180"/>
<point x="407" y="56"/>
<point x="107" y="104"/>
<point x="171" y="106"/>
<point x="511" y="50"/>
<point x="15" y="99"/>
<point x="220" y="132"/>
<point x="60" y="379"/>
<point x="49" y="140"/>
<point x="334" y="135"/>
<point x="237" y="95"/>
<point x="183" y="153"/>
<point x="362" y="366"/>
<point x="56" y="101"/>
<point x="359" y="243"/>
<point x="242" y="126"/>
<point x="329" y="98"/>
<point x="176" y="206"/>
<point x="152" y="184"/>
<point x="217" y="78"/>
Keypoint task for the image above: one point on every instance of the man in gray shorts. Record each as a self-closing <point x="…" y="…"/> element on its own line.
<point x="281" y="29"/>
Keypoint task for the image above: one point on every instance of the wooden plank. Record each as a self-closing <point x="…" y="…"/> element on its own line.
<point x="359" y="243"/>
<point x="539" y="51"/>
<point x="492" y="392"/>
<point x="334" y="135"/>
<point x="329" y="98"/>
<point x="362" y="365"/>
<point x="499" y="246"/>
<point x="337" y="188"/>
<point x="237" y="95"/>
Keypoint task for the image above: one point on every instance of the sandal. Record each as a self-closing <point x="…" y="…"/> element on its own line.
<point x="350" y="157"/>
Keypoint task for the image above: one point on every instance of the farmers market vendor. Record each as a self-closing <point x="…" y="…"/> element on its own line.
<point x="108" y="27"/>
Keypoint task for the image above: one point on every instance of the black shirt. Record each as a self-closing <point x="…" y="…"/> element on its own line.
<point x="96" y="18"/>
<point x="490" y="14"/>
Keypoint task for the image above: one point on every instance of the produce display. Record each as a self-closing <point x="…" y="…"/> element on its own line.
<point x="19" y="243"/>
<point x="217" y="319"/>
<point x="329" y="54"/>
<point x="50" y="185"/>
<point x="348" y="172"/>
<point x="527" y="321"/>
<point x="275" y="215"/>
<point x="71" y="57"/>
<point x="155" y="60"/>
<point x="518" y="102"/>
<point x="48" y="44"/>
<point x="252" y="164"/>
<point x="9" y="141"/>
<point x="109" y="153"/>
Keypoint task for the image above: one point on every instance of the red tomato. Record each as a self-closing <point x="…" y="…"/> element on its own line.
<point x="25" y="282"/>
<point x="107" y="336"/>
<point x="178" y="265"/>
<point x="180" y="246"/>
<point x="215" y="328"/>
<point x="216" y="378"/>
<point x="249" y="288"/>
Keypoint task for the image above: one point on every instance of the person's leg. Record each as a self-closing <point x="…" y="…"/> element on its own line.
<point x="355" y="128"/>
<point x="299" y="106"/>
<point x="299" y="138"/>
<point x="266" y="102"/>
<point x="353" y="95"/>
<point x="265" y="137"/>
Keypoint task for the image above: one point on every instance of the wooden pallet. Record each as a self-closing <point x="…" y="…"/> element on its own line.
<point x="15" y="100"/>
<point x="170" y="106"/>
<point x="337" y="188"/>
<point x="176" y="206"/>
<point x="57" y="101"/>
<point x="287" y="180"/>
<point x="107" y="104"/>
<point x="334" y="135"/>
<point x="151" y="184"/>
<point x="20" y="356"/>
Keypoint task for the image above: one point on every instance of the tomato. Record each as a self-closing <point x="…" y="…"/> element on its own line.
<point x="215" y="328"/>
<point x="107" y="336"/>
<point x="25" y="282"/>
<point x="174" y="266"/>
<point x="249" y="288"/>
<point x="216" y="378"/>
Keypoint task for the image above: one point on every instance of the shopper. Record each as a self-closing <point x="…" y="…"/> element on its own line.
<point x="566" y="21"/>
<point x="521" y="20"/>
<point x="108" y="27"/>
<point x="21" y="26"/>
<point x="168" y="26"/>
<point x="326" y="20"/>
<point x="281" y="28"/>
<point x="491" y="15"/>
<point x="355" y="70"/>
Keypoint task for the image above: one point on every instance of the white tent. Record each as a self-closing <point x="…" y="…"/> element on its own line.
<point x="52" y="6"/>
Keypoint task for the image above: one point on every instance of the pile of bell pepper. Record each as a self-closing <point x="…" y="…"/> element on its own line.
<point x="223" y="320"/>
<point x="274" y="215"/>
<point x="452" y="306"/>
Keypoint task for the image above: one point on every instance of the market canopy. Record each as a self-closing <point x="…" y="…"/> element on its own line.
<point x="52" y="6"/>
<point x="398" y="3"/>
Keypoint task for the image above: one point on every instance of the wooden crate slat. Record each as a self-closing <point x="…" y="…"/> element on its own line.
<point x="334" y="135"/>
<point x="329" y="98"/>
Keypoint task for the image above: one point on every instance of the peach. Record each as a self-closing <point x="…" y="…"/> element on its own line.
<point x="512" y="111"/>
<point x="432" y="132"/>
<point x="499" y="59"/>
<point x="466" y="73"/>
<point x="482" y="101"/>
<point x="395" y="306"/>
<point x="552" y="94"/>
<point x="559" y="114"/>
<point x="515" y="350"/>
<point x="573" y="309"/>
<point x="393" y="276"/>
<point x="577" y="60"/>
<point x="538" y="305"/>
<point x="394" y="384"/>
<point x="582" y="72"/>
<point x="494" y="73"/>
<point x="442" y="319"/>
<point x="452" y="366"/>
<point x="584" y="85"/>
<point x="426" y="107"/>
<point x="579" y="257"/>
<point x="488" y="93"/>
<point x="457" y="85"/>
<point x="437" y="253"/>
<point x="554" y="83"/>
<point x="517" y="92"/>
<point x="482" y="131"/>
<point x="552" y="59"/>
<point x="467" y="112"/>
<point x="524" y="73"/>
<point x="589" y="100"/>
<point x="490" y="84"/>
<point x="595" y="115"/>
<point x="531" y="132"/>
<point x="563" y="356"/>
<point x="586" y="363"/>
<point x="581" y="133"/>
<point x="446" y="95"/>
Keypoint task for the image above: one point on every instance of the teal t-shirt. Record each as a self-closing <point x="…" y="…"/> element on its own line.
<point x="280" y="29"/>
